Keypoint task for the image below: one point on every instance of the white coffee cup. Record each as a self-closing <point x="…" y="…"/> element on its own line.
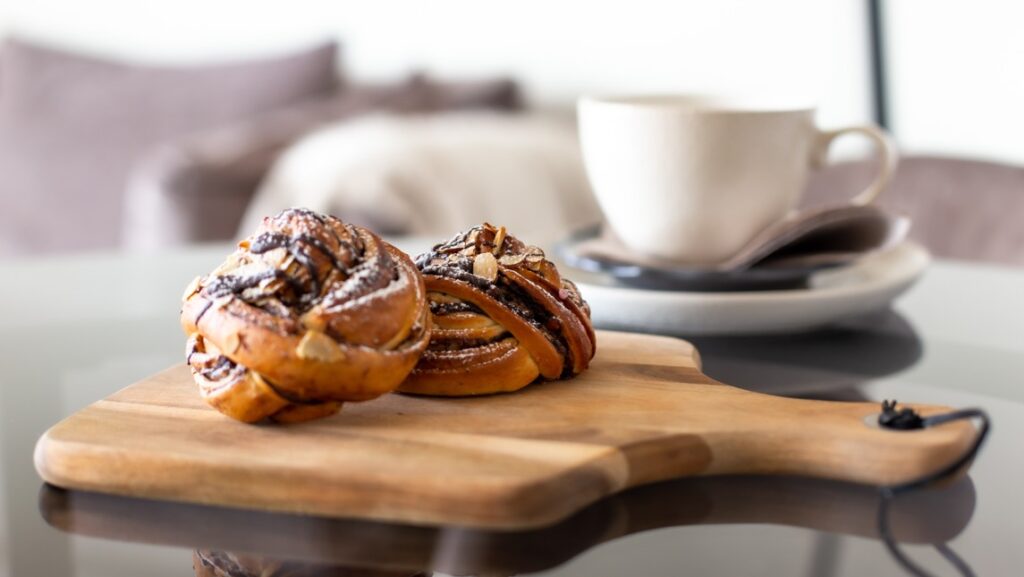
<point x="692" y="179"/>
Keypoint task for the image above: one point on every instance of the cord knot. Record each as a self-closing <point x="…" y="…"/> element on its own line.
<point x="904" y="419"/>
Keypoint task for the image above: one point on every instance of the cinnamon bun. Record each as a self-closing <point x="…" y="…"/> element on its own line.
<point x="503" y="317"/>
<point x="307" y="313"/>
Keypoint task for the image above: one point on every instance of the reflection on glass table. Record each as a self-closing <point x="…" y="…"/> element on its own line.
<point x="825" y="364"/>
<point x="933" y="516"/>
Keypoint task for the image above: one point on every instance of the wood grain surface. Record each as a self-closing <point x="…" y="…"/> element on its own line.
<point x="644" y="412"/>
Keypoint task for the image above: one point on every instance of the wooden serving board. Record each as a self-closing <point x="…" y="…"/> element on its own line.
<point x="642" y="413"/>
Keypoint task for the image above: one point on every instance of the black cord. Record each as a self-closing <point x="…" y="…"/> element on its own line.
<point x="954" y="559"/>
<point x="908" y="419"/>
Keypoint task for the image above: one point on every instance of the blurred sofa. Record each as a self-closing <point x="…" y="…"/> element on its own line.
<point x="71" y="127"/>
<point x="961" y="208"/>
<point x="92" y="150"/>
<point x="196" y="189"/>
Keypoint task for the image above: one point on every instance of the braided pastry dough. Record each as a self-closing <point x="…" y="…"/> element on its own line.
<point x="502" y="317"/>
<point x="211" y="563"/>
<point x="306" y="314"/>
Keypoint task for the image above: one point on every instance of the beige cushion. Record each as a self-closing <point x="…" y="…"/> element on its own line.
<point x="433" y="175"/>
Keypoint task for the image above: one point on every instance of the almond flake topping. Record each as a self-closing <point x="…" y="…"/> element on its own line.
<point x="499" y="238"/>
<point x="318" y="347"/>
<point x="485" y="266"/>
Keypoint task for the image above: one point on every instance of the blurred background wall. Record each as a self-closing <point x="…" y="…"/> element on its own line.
<point x="557" y="50"/>
<point x="955" y="75"/>
<point x="945" y="55"/>
<point x="950" y="72"/>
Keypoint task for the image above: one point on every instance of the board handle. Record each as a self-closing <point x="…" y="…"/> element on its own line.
<point x="842" y="441"/>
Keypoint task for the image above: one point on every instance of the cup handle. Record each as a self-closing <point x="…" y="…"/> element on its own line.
<point x="886" y="148"/>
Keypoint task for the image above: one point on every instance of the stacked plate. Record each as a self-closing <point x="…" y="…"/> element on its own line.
<point x="823" y="267"/>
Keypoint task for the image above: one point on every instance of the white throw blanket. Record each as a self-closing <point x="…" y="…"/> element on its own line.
<point x="436" y="175"/>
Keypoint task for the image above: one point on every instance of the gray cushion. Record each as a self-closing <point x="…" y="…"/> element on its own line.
<point x="71" y="127"/>
<point x="960" y="208"/>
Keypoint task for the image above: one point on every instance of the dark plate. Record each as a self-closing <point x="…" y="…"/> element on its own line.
<point x="682" y="278"/>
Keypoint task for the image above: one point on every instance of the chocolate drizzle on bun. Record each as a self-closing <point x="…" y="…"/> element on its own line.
<point x="307" y="313"/>
<point x="503" y="317"/>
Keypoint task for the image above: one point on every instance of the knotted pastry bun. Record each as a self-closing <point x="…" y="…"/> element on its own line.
<point x="307" y="313"/>
<point x="210" y="563"/>
<point x="502" y="317"/>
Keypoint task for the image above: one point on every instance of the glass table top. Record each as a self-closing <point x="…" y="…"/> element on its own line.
<point x="76" y="329"/>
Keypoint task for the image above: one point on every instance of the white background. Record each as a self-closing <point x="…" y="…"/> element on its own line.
<point x="957" y="74"/>
<point x="957" y="67"/>
<point x="811" y="49"/>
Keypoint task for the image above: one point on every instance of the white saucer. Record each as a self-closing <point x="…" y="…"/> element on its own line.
<point x="834" y="294"/>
